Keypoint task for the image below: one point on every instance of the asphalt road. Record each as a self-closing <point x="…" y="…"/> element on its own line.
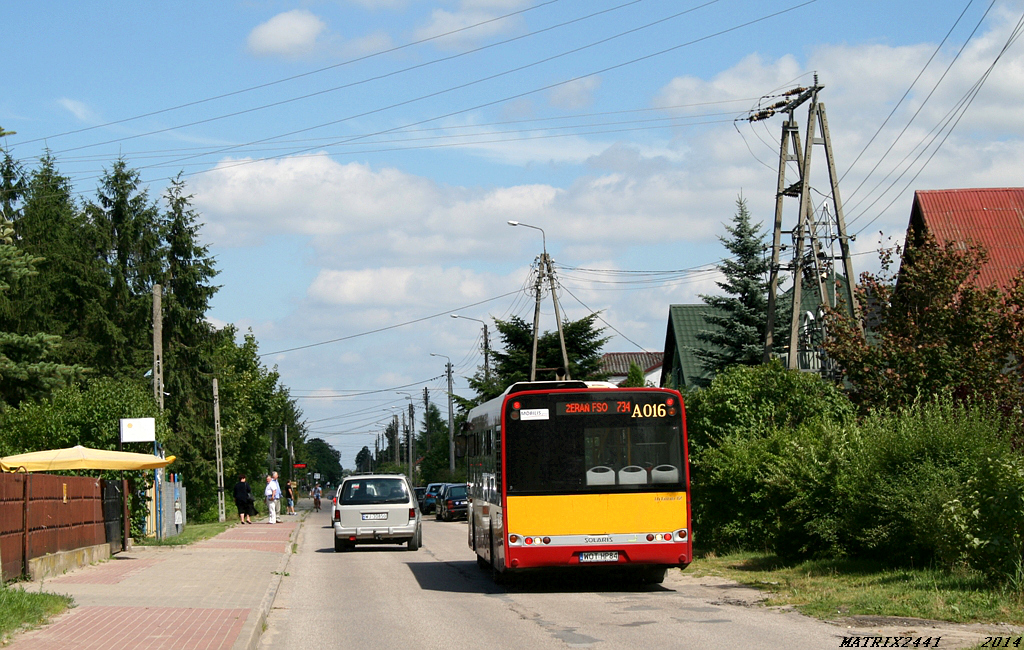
<point x="437" y="597"/>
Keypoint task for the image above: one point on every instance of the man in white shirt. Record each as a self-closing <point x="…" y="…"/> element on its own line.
<point x="272" y="493"/>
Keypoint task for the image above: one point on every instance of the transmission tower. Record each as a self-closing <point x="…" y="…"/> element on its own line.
<point x="815" y="236"/>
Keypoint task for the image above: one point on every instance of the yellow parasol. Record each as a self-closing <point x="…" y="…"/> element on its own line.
<point x="80" y="457"/>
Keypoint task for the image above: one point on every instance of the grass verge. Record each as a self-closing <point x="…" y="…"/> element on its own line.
<point x="192" y="533"/>
<point x="20" y="609"/>
<point x="831" y="589"/>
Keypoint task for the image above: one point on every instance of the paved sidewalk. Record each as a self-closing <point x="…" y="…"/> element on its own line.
<point x="211" y="594"/>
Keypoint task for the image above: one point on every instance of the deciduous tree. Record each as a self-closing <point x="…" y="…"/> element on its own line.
<point x="933" y="331"/>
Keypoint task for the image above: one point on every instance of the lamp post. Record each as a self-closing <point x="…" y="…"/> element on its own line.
<point x="451" y="419"/>
<point x="487" y="365"/>
<point x="545" y="267"/>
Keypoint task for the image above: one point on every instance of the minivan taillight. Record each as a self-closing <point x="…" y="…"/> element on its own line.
<point x="412" y="513"/>
<point x="451" y="504"/>
<point x="337" y="515"/>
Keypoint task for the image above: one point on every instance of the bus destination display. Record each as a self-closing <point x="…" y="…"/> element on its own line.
<point x="606" y="407"/>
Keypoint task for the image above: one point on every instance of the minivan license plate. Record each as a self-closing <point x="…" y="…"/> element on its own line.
<point x="600" y="556"/>
<point x="374" y="515"/>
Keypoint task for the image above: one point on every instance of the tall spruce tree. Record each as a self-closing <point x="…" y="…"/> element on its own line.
<point x="737" y="320"/>
<point x="69" y="297"/>
<point x="27" y="366"/>
<point x="188" y="338"/>
<point x="128" y="226"/>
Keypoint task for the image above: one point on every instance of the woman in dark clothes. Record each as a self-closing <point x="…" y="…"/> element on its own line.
<point x="243" y="500"/>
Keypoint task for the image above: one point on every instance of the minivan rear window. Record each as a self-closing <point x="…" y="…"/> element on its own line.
<point x="457" y="492"/>
<point x="374" y="491"/>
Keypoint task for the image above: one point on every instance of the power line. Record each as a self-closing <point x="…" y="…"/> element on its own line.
<point x="389" y="327"/>
<point x="298" y="76"/>
<point x="352" y="84"/>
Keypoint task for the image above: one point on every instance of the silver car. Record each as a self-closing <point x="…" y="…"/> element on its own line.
<point x="377" y="509"/>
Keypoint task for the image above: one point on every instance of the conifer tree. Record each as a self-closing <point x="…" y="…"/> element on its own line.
<point x="738" y="318"/>
<point x="188" y="338"/>
<point x="27" y="368"/>
<point x="583" y="344"/>
<point x="69" y="297"/>
<point x="127" y="223"/>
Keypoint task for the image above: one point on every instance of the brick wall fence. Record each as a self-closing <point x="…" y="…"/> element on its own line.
<point x="45" y="513"/>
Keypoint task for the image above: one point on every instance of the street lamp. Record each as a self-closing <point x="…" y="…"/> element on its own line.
<point x="487" y="365"/>
<point x="451" y="420"/>
<point x="543" y="237"/>
<point x="545" y="267"/>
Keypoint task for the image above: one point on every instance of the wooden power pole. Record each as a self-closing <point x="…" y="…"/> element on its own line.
<point x="810" y="256"/>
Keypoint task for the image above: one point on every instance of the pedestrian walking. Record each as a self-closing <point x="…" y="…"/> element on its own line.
<point x="277" y="496"/>
<point x="244" y="501"/>
<point x="269" y="494"/>
<point x="289" y="495"/>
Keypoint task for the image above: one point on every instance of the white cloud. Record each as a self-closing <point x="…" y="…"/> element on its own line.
<point x="403" y="287"/>
<point x="290" y="34"/>
<point x="381" y="4"/>
<point x="371" y="43"/>
<point x="575" y="94"/>
<point x="468" y="13"/>
<point x="80" y="110"/>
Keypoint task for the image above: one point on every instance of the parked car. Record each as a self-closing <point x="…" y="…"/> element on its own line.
<point x="420" y="491"/>
<point x="452" y="502"/>
<point x="430" y="498"/>
<point x="377" y="509"/>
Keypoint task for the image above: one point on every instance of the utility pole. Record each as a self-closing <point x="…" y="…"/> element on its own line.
<point x="287" y="453"/>
<point x="544" y="266"/>
<point x="220" y="456"/>
<point x="451" y="424"/>
<point x="394" y="450"/>
<point x="558" y="315"/>
<point x="410" y="436"/>
<point x="426" y="421"/>
<point x="536" y="320"/>
<point x="807" y="228"/>
<point x="158" y="347"/>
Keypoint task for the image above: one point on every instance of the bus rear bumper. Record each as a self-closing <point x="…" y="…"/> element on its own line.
<point x="674" y="554"/>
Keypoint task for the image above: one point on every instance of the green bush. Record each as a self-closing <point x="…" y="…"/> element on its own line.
<point x="738" y="428"/>
<point x="985" y="525"/>
<point x="913" y="462"/>
<point x="779" y="464"/>
<point x="810" y="490"/>
<point x="750" y="401"/>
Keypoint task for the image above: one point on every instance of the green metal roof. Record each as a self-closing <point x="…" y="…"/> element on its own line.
<point x="682" y="368"/>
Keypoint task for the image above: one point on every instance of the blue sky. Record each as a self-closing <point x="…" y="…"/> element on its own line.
<point x="355" y="161"/>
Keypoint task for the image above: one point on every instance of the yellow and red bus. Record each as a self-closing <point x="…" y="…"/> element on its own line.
<point x="579" y="474"/>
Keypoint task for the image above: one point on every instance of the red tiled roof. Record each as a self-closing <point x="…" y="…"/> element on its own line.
<point x="617" y="363"/>
<point x="992" y="217"/>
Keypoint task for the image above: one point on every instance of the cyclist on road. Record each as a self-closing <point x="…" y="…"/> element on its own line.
<point x="317" y="492"/>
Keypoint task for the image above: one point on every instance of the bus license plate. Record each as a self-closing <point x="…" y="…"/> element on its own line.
<point x="374" y="515"/>
<point x="600" y="556"/>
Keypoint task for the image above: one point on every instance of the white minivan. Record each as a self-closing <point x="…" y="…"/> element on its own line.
<point x="376" y="509"/>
